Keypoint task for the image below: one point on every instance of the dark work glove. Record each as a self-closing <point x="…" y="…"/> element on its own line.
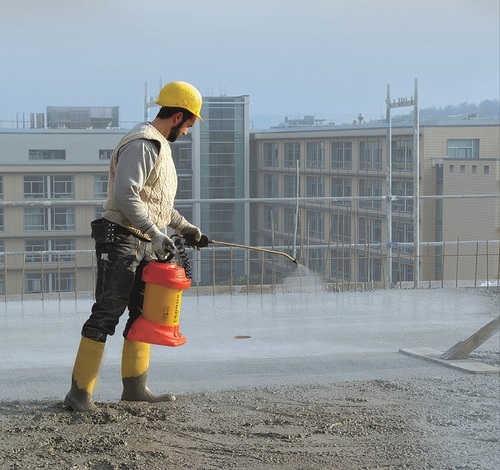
<point x="193" y="243"/>
<point x="191" y="231"/>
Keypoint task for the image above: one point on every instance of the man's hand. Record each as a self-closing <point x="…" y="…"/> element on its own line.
<point x="201" y="243"/>
<point x="192" y="230"/>
<point x="162" y="245"/>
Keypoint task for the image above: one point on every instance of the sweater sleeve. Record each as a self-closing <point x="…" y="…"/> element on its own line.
<point x="135" y="162"/>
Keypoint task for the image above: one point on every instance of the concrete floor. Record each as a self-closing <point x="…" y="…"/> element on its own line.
<point x="291" y="339"/>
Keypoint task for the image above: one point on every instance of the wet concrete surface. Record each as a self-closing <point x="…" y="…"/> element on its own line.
<point x="251" y="340"/>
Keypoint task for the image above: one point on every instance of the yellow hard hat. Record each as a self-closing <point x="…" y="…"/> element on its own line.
<point x="181" y="95"/>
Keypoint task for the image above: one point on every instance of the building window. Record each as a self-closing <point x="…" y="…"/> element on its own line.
<point x="51" y="218"/>
<point x="315" y="155"/>
<point x="315" y="186"/>
<point x="224" y="113"/>
<point x="486" y="169"/>
<point x="186" y="210"/>
<point x="316" y="261"/>
<point x="47" y="154"/>
<point x="289" y="220"/>
<point x="451" y="169"/>
<point x="402" y="188"/>
<point x="35" y="283"/>
<point x="185" y="187"/>
<point x="54" y="251"/>
<point x="64" y="282"/>
<point x="34" y="187"/>
<point x="474" y="169"/>
<point x="183" y="157"/>
<point x="49" y="187"/>
<point x="340" y="264"/>
<point x="463" y="148"/>
<point x="62" y="187"/>
<point x="370" y="155"/>
<point x="341" y="227"/>
<point x="2" y="226"/>
<point x="369" y="188"/>
<point x="219" y="164"/>
<point x="402" y="232"/>
<point x="290" y="183"/>
<point x="341" y="187"/>
<point x="1" y="187"/>
<point x="98" y="212"/>
<point x="402" y="155"/>
<point x="369" y="269"/>
<point x="316" y="223"/>
<point x="105" y="154"/>
<point x="100" y="186"/>
<point x="342" y="155"/>
<point x="402" y="271"/>
<point x="271" y="221"/>
<point x="292" y="154"/>
<point x="270" y="185"/>
<point x="222" y="186"/>
<point x="271" y="155"/>
<point x="369" y="230"/>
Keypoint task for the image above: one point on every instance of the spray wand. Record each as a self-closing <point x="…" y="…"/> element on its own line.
<point x="204" y="242"/>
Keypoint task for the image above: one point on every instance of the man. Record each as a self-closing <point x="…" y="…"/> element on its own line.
<point x="140" y="204"/>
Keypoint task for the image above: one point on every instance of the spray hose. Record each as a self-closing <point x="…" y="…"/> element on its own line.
<point x="204" y="241"/>
<point x="180" y="244"/>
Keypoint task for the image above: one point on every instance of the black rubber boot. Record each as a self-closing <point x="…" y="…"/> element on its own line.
<point x="135" y="365"/>
<point x="78" y="399"/>
<point x="134" y="389"/>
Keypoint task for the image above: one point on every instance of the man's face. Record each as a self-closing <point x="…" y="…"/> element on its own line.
<point x="181" y="128"/>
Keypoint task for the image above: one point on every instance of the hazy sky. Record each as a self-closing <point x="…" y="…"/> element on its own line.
<point x="331" y="58"/>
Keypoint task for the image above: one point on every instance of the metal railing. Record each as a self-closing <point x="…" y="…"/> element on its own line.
<point x="336" y="268"/>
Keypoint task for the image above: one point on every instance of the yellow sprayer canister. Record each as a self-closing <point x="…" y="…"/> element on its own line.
<point x="159" y="322"/>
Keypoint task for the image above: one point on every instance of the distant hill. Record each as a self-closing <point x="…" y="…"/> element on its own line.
<point x="485" y="109"/>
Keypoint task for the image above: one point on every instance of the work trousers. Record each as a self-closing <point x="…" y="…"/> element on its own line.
<point x="119" y="285"/>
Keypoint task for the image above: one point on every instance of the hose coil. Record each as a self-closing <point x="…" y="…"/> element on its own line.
<point x="183" y="257"/>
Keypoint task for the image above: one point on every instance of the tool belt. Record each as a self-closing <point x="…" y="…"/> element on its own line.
<point x="104" y="231"/>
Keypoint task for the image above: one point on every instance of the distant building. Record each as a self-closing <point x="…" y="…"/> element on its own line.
<point x="344" y="239"/>
<point x="217" y="168"/>
<point x="71" y="117"/>
<point x="53" y="182"/>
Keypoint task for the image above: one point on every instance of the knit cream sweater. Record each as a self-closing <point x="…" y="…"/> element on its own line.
<point x="151" y="201"/>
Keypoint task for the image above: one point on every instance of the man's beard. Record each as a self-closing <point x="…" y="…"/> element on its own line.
<point x="175" y="132"/>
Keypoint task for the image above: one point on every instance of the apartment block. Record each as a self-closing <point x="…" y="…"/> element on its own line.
<point x="53" y="182"/>
<point x="339" y="177"/>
